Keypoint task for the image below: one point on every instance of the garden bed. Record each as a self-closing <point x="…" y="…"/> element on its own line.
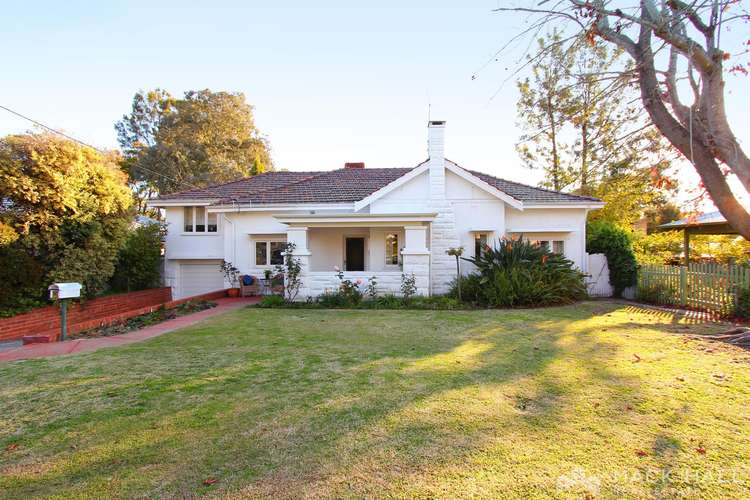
<point x="137" y="322"/>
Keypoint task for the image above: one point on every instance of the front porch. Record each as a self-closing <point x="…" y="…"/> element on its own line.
<point x="362" y="246"/>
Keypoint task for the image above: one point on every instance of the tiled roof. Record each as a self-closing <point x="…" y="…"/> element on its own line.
<point x="336" y="186"/>
<point x="343" y="185"/>
<point x="243" y="187"/>
<point x="530" y="194"/>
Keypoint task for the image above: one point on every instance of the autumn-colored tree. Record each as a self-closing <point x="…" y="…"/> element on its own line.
<point x="667" y="248"/>
<point x="64" y="214"/>
<point x="676" y="49"/>
<point x="201" y="139"/>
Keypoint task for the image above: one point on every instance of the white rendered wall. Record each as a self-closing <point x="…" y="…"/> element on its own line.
<point x="475" y="210"/>
<point x="536" y="223"/>
<point x="388" y="282"/>
<point x="182" y="245"/>
<point x="411" y="197"/>
<point x="327" y="247"/>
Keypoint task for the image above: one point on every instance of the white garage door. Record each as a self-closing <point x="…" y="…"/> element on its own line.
<point x="196" y="279"/>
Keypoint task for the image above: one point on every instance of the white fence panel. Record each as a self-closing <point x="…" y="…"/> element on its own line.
<point x="597" y="280"/>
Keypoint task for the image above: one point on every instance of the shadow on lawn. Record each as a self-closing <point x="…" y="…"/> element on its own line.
<point x="285" y="395"/>
<point x="418" y="420"/>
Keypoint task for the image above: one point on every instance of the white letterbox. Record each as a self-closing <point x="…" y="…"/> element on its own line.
<point x="64" y="290"/>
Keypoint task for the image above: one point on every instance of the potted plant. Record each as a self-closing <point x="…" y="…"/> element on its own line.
<point x="232" y="276"/>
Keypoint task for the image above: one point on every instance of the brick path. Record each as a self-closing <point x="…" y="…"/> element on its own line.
<point x="87" y="345"/>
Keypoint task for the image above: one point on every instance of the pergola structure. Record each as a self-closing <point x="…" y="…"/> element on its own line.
<point x="710" y="223"/>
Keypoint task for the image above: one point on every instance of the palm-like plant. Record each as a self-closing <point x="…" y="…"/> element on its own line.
<point x="520" y="273"/>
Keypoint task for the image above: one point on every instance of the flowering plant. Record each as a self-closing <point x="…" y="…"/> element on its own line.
<point x="372" y="288"/>
<point x="349" y="289"/>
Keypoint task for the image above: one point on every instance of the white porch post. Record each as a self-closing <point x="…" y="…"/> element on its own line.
<point x="298" y="236"/>
<point x="416" y="257"/>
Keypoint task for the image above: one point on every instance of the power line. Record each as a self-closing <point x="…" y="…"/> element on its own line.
<point x="50" y="128"/>
<point x="40" y="124"/>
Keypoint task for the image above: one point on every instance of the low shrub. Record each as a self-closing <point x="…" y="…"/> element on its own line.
<point x="333" y="300"/>
<point x="656" y="293"/>
<point x="471" y="288"/>
<point x="271" y="301"/>
<point x="742" y="307"/>
<point x="337" y="300"/>
<point x="389" y="301"/>
<point x="519" y="273"/>
<point x="438" y="302"/>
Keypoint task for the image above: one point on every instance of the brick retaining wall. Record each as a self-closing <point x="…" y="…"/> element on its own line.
<point x="93" y="313"/>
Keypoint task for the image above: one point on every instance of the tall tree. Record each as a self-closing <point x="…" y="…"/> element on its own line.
<point x="65" y="213"/>
<point x="542" y="109"/>
<point x="204" y="138"/>
<point x="679" y="42"/>
<point x="585" y="128"/>
<point x="587" y="136"/>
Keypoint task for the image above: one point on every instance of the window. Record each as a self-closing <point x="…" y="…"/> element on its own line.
<point x="391" y="249"/>
<point x="277" y="247"/>
<point x="556" y="246"/>
<point x="188" y="216"/>
<point x="269" y="253"/>
<point x="261" y="253"/>
<point x="480" y="241"/>
<point x="198" y="220"/>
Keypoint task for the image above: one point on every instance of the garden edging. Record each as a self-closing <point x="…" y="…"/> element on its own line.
<point x="94" y="313"/>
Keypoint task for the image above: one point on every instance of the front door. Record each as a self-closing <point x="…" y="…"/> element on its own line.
<point x="355" y="254"/>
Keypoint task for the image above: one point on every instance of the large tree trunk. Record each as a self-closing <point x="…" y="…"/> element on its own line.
<point x="690" y="145"/>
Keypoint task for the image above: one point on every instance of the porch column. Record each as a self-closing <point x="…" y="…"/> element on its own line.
<point x="298" y="236"/>
<point x="416" y="257"/>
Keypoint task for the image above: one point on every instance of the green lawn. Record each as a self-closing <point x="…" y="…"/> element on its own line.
<point x="598" y="398"/>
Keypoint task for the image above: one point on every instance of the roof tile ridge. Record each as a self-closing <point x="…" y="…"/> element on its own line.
<point x="222" y="184"/>
<point x="313" y="175"/>
<point x="522" y="184"/>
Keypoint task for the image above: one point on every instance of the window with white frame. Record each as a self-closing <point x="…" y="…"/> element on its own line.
<point x="199" y="220"/>
<point x="480" y="243"/>
<point x="391" y="249"/>
<point x="269" y="253"/>
<point x="555" y="246"/>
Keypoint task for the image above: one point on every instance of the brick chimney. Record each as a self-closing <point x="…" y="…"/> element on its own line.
<point x="358" y="164"/>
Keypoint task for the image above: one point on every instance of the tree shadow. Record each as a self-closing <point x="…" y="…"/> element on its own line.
<point x="301" y="402"/>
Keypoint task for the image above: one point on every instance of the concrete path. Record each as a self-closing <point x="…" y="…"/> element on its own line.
<point x="86" y="345"/>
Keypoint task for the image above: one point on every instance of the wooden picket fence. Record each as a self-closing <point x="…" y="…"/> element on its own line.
<point x="708" y="287"/>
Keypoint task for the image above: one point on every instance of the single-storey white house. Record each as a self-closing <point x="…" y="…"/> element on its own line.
<point x="366" y="221"/>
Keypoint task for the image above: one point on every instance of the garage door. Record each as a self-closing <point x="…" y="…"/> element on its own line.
<point x="196" y="279"/>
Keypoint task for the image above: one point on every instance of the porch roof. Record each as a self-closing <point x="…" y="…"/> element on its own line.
<point x="355" y="220"/>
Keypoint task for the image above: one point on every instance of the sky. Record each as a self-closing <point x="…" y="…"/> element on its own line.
<point x="330" y="81"/>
